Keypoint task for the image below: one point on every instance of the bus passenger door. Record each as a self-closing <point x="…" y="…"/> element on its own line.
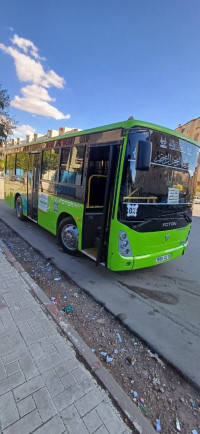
<point x="100" y="183"/>
<point x="33" y="185"/>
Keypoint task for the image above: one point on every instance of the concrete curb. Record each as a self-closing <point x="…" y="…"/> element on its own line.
<point x="129" y="409"/>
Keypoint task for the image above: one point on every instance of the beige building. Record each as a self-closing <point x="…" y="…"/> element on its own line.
<point x="192" y="129"/>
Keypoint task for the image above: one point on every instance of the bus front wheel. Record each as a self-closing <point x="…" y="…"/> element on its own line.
<point x="68" y="235"/>
<point x="19" y="208"/>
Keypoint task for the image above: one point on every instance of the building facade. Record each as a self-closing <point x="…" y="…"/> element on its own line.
<point x="192" y="130"/>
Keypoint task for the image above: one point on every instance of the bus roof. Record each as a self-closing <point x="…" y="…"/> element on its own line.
<point x="123" y="125"/>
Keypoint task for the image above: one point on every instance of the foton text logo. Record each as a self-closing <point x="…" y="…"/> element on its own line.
<point x="169" y="224"/>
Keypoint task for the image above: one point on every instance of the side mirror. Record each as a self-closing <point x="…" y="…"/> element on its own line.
<point x="143" y="155"/>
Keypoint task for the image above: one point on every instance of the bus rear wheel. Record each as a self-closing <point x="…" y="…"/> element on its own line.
<point x="19" y="208"/>
<point x="68" y="235"/>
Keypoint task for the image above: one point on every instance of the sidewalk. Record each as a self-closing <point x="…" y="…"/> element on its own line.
<point x="44" y="388"/>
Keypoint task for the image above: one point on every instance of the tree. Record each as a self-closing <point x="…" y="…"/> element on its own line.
<point x="7" y="124"/>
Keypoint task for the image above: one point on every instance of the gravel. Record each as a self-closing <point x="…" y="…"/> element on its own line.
<point x="161" y="393"/>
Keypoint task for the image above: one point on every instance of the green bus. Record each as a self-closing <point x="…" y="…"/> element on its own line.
<point x="121" y="194"/>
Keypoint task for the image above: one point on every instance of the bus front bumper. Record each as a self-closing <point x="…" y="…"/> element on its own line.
<point x="120" y="263"/>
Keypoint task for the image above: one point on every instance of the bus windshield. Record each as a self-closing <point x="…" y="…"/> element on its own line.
<point x="167" y="185"/>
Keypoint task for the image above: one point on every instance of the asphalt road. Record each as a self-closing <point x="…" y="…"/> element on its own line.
<point x="161" y="304"/>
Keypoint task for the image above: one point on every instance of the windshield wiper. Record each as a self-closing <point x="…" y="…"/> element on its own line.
<point x="187" y="218"/>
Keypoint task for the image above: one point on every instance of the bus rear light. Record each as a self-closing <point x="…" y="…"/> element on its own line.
<point x="124" y="245"/>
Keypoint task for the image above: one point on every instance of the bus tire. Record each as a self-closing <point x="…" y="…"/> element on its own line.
<point x="68" y="235"/>
<point x="19" y="208"/>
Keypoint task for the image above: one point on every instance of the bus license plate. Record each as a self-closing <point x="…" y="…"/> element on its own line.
<point x="163" y="258"/>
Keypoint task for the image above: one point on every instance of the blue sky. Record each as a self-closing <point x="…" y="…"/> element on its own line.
<point x="82" y="64"/>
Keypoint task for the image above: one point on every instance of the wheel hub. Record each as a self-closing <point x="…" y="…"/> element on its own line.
<point x="69" y="236"/>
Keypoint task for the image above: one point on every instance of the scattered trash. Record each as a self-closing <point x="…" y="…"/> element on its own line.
<point x="76" y="295"/>
<point x="10" y="245"/>
<point x="156" y="381"/>
<point x="48" y="264"/>
<point x="155" y="356"/>
<point x="130" y="360"/>
<point x="62" y="311"/>
<point x="109" y="359"/>
<point x="103" y="353"/>
<point x="65" y="297"/>
<point x="144" y="409"/>
<point x="158" y="425"/>
<point x="93" y="350"/>
<point x="54" y="300"/>
<point x="115" y="351"/>
<point x="178" y="427"/>
<point x="68" y="308"/>
<point x="194" y="431"/>
<point x="134" y="393"/>
<point x="93" y="318"/>
<point x="119" y="337"/>
<point x="142" y="400"/>
<point x="192" y="404"/>
<point x="57" y="278"/>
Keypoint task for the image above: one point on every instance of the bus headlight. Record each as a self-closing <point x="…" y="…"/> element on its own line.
<point x="124" y="245"/>
<point x="122" y="235"/>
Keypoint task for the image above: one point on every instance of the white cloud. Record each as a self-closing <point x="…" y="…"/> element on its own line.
<point x="25" y="45"/>
<point x="29" y="68"/>
<point x="23" y="130"/>
<point x="39" y="107"/>
<point x="33" y="91"/>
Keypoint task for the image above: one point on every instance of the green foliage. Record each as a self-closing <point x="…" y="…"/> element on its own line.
<point x="6" y="123"/>
<point x="22" y="162"/>
<point x="1" y="164"/>
<point x="50" y="161"/>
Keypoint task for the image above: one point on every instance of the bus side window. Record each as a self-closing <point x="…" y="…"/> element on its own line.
<point x="71" y="165"/>
<point x="76" y="165"/>
<point x="64" y="165"/>
<point x="21" y="164"/>
<point x="10" y="165"/>
<point x="50" y="160"/>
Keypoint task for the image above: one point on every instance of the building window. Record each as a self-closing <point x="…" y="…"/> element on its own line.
<point x="50" y="164"/>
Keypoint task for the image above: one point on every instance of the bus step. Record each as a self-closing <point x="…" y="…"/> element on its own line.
<point x="92" y="253"/>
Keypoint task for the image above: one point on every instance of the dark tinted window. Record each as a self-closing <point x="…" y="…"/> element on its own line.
<point x="50" y="162"/>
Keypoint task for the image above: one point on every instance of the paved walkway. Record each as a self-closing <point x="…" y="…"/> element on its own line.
<point x="43" y="387"/>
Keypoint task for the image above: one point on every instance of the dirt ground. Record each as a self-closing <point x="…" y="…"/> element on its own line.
<point x="157" y="389"/>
